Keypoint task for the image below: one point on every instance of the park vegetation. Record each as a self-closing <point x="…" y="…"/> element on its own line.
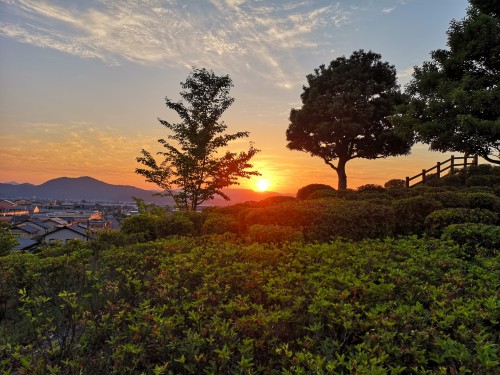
<point x="378" y="280"/>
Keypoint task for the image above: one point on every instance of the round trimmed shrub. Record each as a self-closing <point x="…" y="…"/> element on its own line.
<point x="321" y="194"/>
<point x="371" y="188"/>
<point x="274" y="234"/>
<point x="395" y="183"/>
<point x="353" y="220"/>
<point x="217" y="223"/>
<point x="484" y="200"/>
<point x="276" y="200"/>
<point x="411" y="213"/>
<point x="450" y="199"/>
<point x="478" y="181"/>
<point x="474" y="236"/>
<point x="438" y="220"/>
<point x="307" y="190"/>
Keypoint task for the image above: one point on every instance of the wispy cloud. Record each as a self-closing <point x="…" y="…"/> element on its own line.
<point x="388" y="10"/>
<point x="230" y="35"/>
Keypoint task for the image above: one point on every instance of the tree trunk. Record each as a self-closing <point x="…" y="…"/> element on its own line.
<point x="341" y="175"/>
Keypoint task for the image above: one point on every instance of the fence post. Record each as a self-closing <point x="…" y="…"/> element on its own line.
<point x="465" y="162"/>
<point x="438" y="170"/>
<point x="475" y="160"/>
<point x="423" y="175"/>
<point x="407" y="181"/>
<point x="452" y="163"/>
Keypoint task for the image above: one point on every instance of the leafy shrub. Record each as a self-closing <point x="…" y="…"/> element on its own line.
<point x="307" y="190"/>
<point x="352" y="220"/>
<point x="480" y="189"/>
<point x="484" y="200"/>
<point x="479" y="180"/>
<point x="274" y="234"/>
<point x="474" y="236"/>
<point x="438" y="220"/>
<point x="144" y="225"/>
<point x="457" y="180"/>
<point x="273" y="201"/>
<point x="411" y="212"/>
<point x="321" y="194"/>
<point x="482" y="169"/>
<point x="395" y="184"/>
<point x="177" y="224"/>
<point x="371" y="188"/>
<point x="450" y="199"/>
<point x="220" y="224"/>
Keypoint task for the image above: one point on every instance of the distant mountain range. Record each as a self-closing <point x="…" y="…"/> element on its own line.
<point x="90" y="189"/>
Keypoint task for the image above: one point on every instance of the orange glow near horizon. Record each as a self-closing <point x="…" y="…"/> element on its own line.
<point x="262" y="184"/>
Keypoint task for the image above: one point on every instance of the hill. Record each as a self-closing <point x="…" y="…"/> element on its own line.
<point x="91" y="189"/>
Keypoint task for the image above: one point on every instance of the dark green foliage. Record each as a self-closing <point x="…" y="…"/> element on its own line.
<point x="277" y="234"/>
<point x="484" y="200"/>
<point x="351" y="220"/>
<point x="455" y="102"/>
<point x="373" y="188"/>
<point x="273" y="201"/>
<point x="438" y="220"/>
<point x="450" y="199"/>
<point x="321" y="194"/>
<point x="192" y="307"/>
<point x="7" y="241"/>
<point x="411" y="212"/>
<point x="151" y="227"/>
<point x="395" y="184"/>
<point x="480" y="189"/>
<point x="197" y="166"/>
<point x="219" y="224"/>
<point x="474" y="238"/>
<point x="344" y="113"/>
<point x="306" y="191"/>
<point x="479" y="180"/>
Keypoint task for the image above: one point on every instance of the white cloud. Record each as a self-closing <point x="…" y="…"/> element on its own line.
<point x="388" y="10"/>
<point x="224" y="34"/>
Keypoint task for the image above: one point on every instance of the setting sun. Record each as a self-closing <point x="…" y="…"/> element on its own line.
<point x="262" y="184"/>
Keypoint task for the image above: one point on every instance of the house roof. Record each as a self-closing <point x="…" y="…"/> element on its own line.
<point x="24" y="244"/>
<point x="27" y="228"/>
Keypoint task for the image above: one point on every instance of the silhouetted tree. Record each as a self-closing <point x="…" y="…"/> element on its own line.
<point x="345" y="113"/>
<point x="455" y="97"/>
<point x="193" y="165"/>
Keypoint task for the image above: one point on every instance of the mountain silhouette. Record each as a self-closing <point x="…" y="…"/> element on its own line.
<point x="90" y="189"/>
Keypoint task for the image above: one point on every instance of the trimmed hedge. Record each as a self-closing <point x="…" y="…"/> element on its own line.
<point x="410" y="213"/>
<point x="307" y="190"/>
<point x="438" y="220"/>
<point x="274" y="234"/>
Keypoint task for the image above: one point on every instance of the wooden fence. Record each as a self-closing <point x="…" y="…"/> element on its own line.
<point x="441" y="167"/>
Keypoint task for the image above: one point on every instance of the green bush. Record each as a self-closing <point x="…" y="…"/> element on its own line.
<point x="482" y="169"/>
<point x="307" y="190"/>
<point x="450" y="199"/>
<point x="371" y="188"/>
<point x="455" y="179"/>
<point x="273" y="201"/>
<point x="274" y="234"/>
<point x="202" y="306"/>
<point x="410" y="213"/>
<point x="479" y="180"/>
<point x="177" y="224"/>
<point x="321" y="194"/>
<point x="144" y="225"/>
<point x="351" y="220"/>
<point x="474" y="237"/>
<point x="395" y="184"/>
<point x="480" y="189"/>
<point x="217" y="223"/>
<point x="484" y="200"/>
<point x="438" y="220"/>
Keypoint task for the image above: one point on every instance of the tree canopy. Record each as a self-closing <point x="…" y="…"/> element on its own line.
<point x="195" y="167"/>
<point x="345" y="113"/>
<point x="455" y="97"/>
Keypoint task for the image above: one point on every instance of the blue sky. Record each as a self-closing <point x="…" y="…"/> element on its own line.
<point x="83" y="82"/>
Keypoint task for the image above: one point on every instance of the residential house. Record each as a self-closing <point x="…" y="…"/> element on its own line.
<point x="67" y="233"/>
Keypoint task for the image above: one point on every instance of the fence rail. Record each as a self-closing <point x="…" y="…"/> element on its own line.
<point x="441" y="167"/>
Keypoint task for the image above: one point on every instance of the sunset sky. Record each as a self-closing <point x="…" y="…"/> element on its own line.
<point x="82" y="83"/>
